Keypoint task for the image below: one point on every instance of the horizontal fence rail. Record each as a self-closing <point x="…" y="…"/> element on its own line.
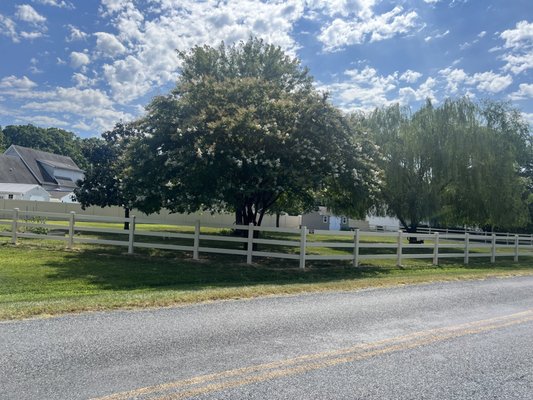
<point x="243" y="240"/>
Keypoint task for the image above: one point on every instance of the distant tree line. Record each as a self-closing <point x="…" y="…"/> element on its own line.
<point x="246" y="131"/>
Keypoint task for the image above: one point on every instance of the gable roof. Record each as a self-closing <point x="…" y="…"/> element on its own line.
<point x="19" y="188"/>
<point x="13" y="170"/>
<point x="34" y="160"/>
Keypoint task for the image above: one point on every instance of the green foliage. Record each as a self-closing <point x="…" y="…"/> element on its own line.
<point x="243" y="128"/>
<point x="460" y="163"/>
<point x="39" y="230"/>
<point x="107" y="161"/>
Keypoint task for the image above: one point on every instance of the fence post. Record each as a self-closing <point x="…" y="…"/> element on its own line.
<point x="303" y="243"/>
<point x="71" y="222"/>
<point x="436" y="250"/>
<point x="14" y="226"/>
<point x="493" y="249"/>
<point x="467" y="248"/>
<point x="516" y="247"/>
<point x="356" y="248"/>
<point x="250" y="247"/>
<point x="196" y="244"/>
<point x="131" y="235"/>
<point x="399" y="250"/>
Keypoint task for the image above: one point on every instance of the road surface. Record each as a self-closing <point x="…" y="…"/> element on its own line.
<point x="460" y="340"/>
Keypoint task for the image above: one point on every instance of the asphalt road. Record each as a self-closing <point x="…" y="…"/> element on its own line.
<point x="461" y="340"/>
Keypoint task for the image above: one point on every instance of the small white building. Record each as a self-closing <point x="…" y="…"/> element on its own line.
<point x="23" y="191"/>
<point x="62" y="197"/>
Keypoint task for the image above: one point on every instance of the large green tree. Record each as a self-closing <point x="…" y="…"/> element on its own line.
<point x="104" y="184"/>
<point x="459" y="163"/>
<point x="243" y="128"/>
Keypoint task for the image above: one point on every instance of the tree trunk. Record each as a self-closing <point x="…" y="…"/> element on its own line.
<point x="413" y="239"/>
<point x="126" y="215"/>
<point x="278" y="215"/>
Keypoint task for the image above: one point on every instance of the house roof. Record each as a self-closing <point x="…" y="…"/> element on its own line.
<point x="13" y="170"/>
<point x="60" y="165"/>
<point x="59" y="195"/>
<point x="18" y="187"/>
<point x="68" y="183"/>
<point x="34" y="159"/>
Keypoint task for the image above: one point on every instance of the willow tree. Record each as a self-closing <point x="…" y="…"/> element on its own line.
<point x="460" y="163"/>
<point x="243" y="128"/>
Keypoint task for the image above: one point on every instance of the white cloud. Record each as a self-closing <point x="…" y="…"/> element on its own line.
<point x="76" y="34"/>
<point x="27" y="13"/>
<point x="91" y="107"/>
<point x="519" y="43"/>
<point x="481" y="34"/>
<point x="45" y="121"/>
<point x="82" y="81"/>
<point x="108" y="45"/>
<point x="425" y="91"/>
<point x="110" y="7"/>
<point x="455" y="78"/>
<point x="521" y="36"/>
<point x="8" y="28"/>
<point x="31" y="35"/>
<point x="149" y="59"/>
<point x="528" y="117"/>
<point x="12" y="82"/>
<point x="78" y="59"/>
<point x="127" y="79"/>
<point x="484" y="81"/>
<point x="342" y="32"/>
<point x="491" y="82"/>
<point x="363" y="89"/>
<point x="361" y="8"/>
<point x="437" y="36"/>
<point x="55" y="3"/>
<point x="410" y="76"/>
<point x="517" y="63"/>
<point x="524" y="92"/>
<point x="34" y="66"/>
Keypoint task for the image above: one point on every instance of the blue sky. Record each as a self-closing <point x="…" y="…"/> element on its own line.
<point x="84" y="65"/>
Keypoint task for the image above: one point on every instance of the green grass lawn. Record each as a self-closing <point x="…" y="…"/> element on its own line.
<point x="39" y="277"/>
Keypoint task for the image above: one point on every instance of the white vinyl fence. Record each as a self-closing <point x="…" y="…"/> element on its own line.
<point x="356" y="247"/>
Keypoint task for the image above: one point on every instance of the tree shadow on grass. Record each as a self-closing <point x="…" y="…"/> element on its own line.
<point x="111" y="269"/>
<point x="108" y="271"/>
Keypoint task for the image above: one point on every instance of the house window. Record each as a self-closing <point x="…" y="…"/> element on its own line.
<point x="325" y="219"/>
<point x="65" y="178"/>
<point x="344" y="220"/>
<point x="10" y="196"/>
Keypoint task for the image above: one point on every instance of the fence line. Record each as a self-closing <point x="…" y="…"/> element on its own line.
<point x="378" y="245"/>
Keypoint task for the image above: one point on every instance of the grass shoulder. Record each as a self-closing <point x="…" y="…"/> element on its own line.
<point x="38" y="281"/>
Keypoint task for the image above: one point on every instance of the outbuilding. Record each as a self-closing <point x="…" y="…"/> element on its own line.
<point x="23" y="191"/>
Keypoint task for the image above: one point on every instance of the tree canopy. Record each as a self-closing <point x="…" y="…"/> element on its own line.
<point x="460" y="163"/>
<point x="104" y="183"/>
<point x="243" y="128"/>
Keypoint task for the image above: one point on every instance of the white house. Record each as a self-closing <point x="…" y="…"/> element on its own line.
<point x="23" y="191"/>
<point x="55" y="173"/>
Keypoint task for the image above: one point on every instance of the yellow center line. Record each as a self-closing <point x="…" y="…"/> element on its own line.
<point x="262" y="372"/>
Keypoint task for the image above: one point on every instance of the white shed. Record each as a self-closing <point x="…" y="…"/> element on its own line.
<point x="23" y="191"/>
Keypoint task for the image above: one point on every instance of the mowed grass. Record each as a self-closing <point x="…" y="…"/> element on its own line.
<point x="41" y="278"/>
